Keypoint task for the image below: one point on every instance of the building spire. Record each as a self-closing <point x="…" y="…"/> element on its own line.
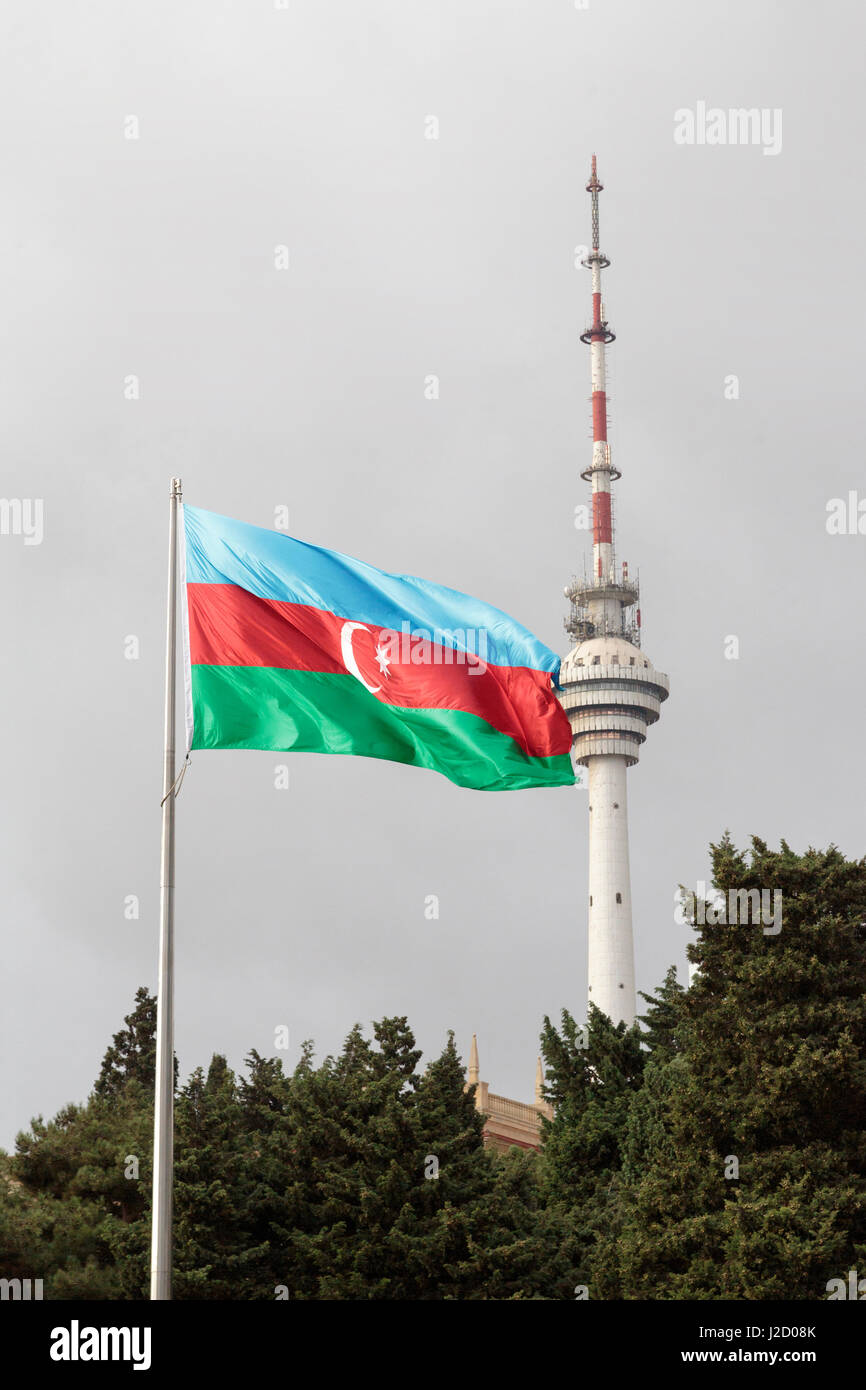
<point x="473" y="1062"/>
<point x="539" y="1072"/>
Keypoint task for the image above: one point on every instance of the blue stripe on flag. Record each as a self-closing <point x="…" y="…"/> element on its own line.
<point x="275" y="566"/>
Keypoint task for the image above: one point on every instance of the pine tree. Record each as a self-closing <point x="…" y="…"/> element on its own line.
<point x="449" y="1172"/>
<point x="663" y="1017"/>
<point x="646" y="1130"/>
<point x="133" y="1050"/>
<point x="87" y="1175"/>
<point x="519" y="1244"/>
<point x="363" y="1132"/>
<point x="592" y="1074"/>
<point x="213" y="1151"/>
<point x="754" y="1181"/>
<point x="392" y="1195"/>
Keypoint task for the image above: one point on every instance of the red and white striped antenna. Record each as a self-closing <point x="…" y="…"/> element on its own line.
<point x="601" y="473"/>
<point x="603" y="603"/>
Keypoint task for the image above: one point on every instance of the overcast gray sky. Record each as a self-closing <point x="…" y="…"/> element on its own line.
<point x="154" y="257"/>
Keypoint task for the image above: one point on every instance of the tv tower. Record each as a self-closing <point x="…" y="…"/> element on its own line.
<point x="609" y="690"/>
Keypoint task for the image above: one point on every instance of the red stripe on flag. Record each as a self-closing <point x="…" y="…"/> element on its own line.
<point x="230" y="627"/>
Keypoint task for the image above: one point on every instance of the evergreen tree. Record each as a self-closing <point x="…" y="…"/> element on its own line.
<point x="645" y="1122"/>
<point x="754" y="1175"/>
<point x="393" y="1195"/>
<point x="519" y="1244"/>
<point x="362" y="1217"/>
<point x="212" y="1249"/>
<point x="663" y="1017"/>
<point x="132" y="1054"/>
<point x="81" y="1181"/>
<point x="592" y="1074"/>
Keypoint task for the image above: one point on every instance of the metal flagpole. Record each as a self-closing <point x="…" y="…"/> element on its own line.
<point x="163" y="1126"/>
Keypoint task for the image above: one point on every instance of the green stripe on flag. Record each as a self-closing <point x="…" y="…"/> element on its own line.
<point x="315" y="712"/>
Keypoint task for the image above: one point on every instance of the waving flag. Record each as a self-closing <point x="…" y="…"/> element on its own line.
<point x="289" y="646"/>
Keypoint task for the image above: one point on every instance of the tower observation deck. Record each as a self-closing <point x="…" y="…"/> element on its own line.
<point x="610" y="691"/>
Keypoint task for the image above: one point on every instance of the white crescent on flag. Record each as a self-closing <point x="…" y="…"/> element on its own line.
<point x="348" y="655"/>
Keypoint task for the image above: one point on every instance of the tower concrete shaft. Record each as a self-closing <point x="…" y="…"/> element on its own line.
<point x="608" y="688"/>
<point x="610" y="939"/>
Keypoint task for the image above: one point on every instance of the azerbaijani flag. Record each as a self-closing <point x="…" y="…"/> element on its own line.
<point x="289" y="646"/>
